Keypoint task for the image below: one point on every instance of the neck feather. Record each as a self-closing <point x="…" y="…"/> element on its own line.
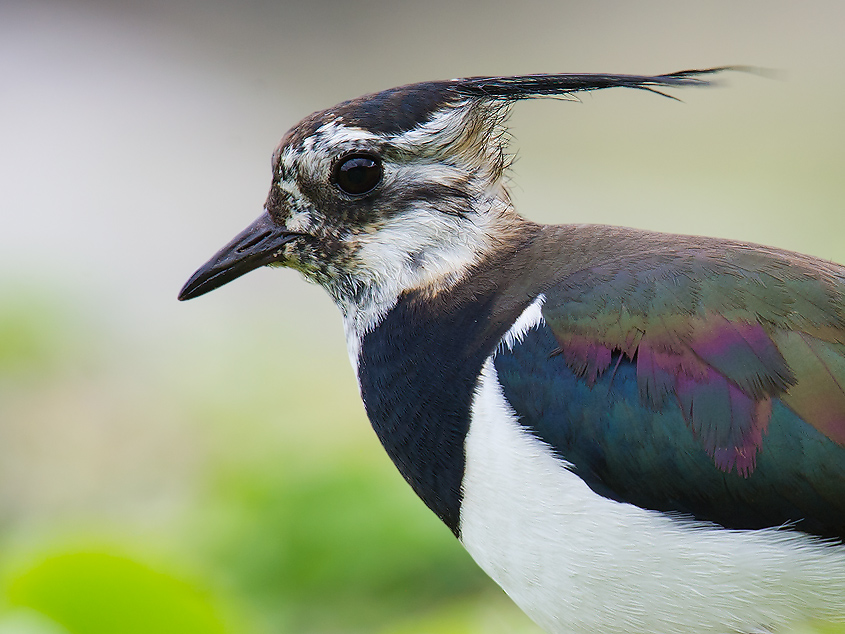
<point x="423" y="253"/>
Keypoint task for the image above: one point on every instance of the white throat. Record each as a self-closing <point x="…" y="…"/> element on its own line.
<point x="420" y="250"/>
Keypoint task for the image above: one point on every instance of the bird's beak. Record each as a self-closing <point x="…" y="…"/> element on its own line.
<point x="258" y="245"/>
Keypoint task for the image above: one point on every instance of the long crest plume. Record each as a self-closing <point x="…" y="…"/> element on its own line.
<point x="480" y="105"/>
<point x="543" y="85"/>
<point x="487" y="101"/>
<point x="403" y="108"/>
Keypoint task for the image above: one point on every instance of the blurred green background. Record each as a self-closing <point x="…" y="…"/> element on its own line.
<point x="207" y="467"/>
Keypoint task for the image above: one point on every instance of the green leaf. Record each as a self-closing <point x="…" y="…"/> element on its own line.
<point x="98" y="593"/>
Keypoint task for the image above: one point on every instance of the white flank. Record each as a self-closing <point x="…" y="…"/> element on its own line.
<point x="577" y="562"/>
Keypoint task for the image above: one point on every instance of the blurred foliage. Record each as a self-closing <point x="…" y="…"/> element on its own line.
<point x="339" y="537"/>
<point x="292" y="516"/>
<point x="32" y="334"/>
<point x="99" y="593"/>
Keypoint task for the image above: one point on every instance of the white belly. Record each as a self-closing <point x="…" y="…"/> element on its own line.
<point x="577" y="562"/>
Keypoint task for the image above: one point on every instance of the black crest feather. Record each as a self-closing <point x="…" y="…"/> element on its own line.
<point x="400" y="109"/>
<point x="543" y="85"/>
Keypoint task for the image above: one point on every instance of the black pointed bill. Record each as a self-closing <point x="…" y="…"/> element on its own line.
<point x="256" y="246"/>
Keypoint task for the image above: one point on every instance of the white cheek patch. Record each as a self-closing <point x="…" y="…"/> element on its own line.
<point x="386" y="260"/>
<point x="421" y="249"/>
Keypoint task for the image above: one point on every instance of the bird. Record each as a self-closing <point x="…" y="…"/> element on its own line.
<point x="629" y="431"/>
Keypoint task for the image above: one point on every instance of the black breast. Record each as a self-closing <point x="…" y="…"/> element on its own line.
<point x="418" y="370"/>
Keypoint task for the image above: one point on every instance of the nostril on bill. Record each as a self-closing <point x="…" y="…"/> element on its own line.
<point x="256" y="240"/>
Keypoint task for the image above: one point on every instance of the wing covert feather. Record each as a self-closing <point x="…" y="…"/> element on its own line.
<point x="719" y="333"/>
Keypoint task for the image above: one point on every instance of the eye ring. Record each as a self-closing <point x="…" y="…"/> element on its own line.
<point x="358" y="173"/>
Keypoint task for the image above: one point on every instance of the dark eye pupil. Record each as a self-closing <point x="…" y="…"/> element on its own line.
<point x="359" y="174"/>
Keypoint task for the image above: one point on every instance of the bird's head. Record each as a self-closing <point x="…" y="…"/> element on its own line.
<point x="394" y="190"/>
<point x="398" y="190"/>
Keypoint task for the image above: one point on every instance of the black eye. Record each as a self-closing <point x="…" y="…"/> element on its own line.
<point x="357" y="174"/>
